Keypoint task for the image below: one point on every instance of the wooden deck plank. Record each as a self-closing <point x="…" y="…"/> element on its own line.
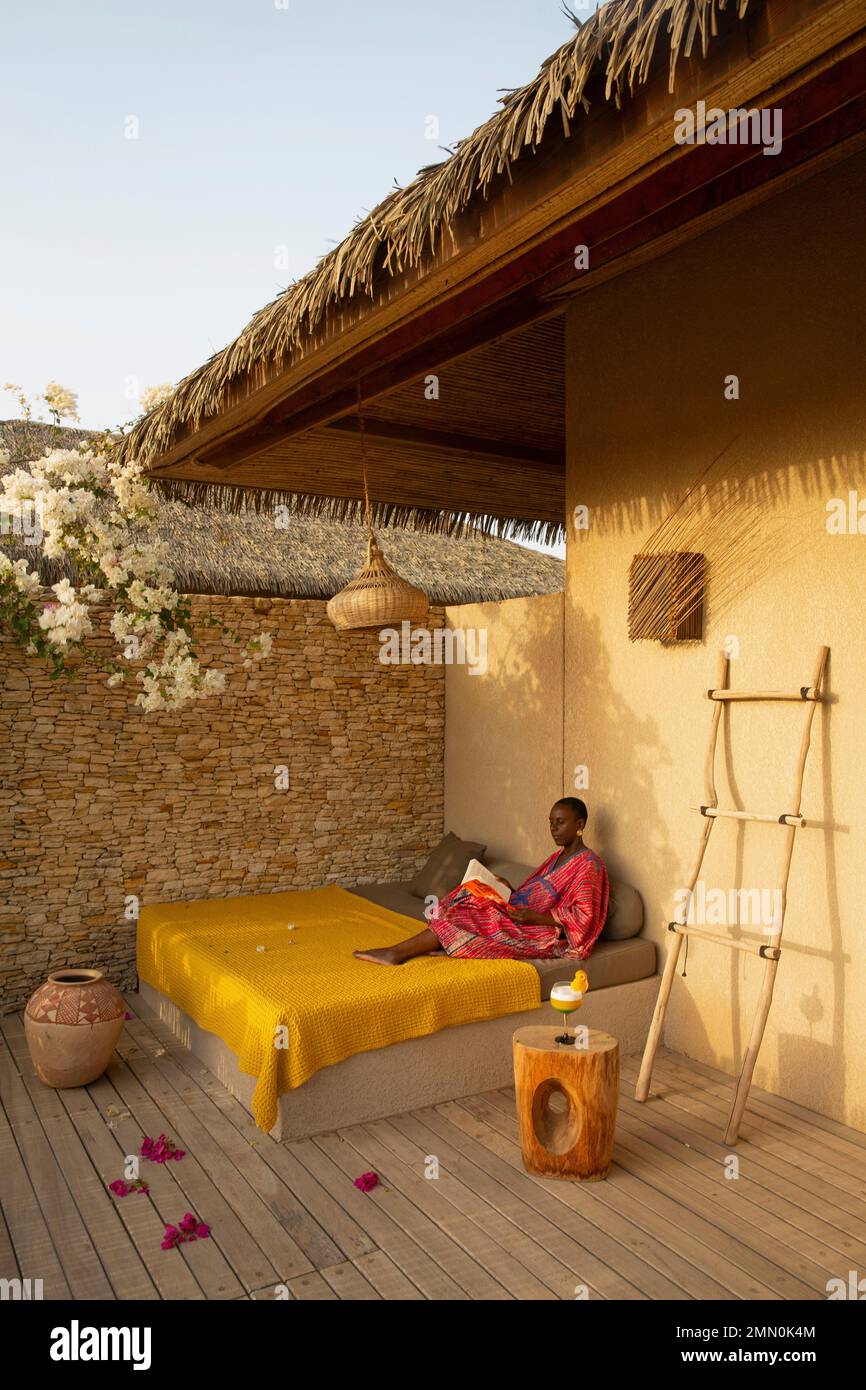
<point x="34" y="1249"/>
<point x="571" y="1237"/>
<point x="617" y="1210"/>
<point x="463" y="1271"/>
<point x="221" y="1264"/>
<point x="793" y="1251"/>
<point x="813" y="1119"/>
<point x="389" y="1282"/>
<point x="795" y="1203"/>
<point x="842" y="1165"/>
<point x="241" y="1172"/>
<point x="672" y="1223"/>
<point x="349" y="1283"/>
<point x="321" y="1226"/>
<point x="474" y="1238"/>
<point x="82" y="1267"/>
<point x="512" y="1237"/>
<point x="170" y="1271"/>
<point x="323" y="1159"/>
<point x="710" y="1120"/>
<point x="554" y="1249"/>
<point x="681" y="1107"/>
<point x="100" y="1211"/>
<point x="768" y="1236"/>
<point x="8" y="1263"/>
<point x="311" y="1286"/>
<point x="838" y="1154"/>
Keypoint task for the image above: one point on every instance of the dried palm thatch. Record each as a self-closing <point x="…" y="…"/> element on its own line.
<point x="616" y="44"/>
<point x="282" y="555"/>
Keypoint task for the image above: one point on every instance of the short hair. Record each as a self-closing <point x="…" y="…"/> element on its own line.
<point x="576" y="805"/>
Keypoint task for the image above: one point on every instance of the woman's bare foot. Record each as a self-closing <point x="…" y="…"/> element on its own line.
<point x="425" y="943"/>
<point x="385" y="955"/>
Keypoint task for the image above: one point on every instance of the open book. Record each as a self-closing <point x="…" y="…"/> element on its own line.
<point x="476" y="869"/>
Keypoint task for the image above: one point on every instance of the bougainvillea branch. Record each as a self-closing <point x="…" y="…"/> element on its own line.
<point x="100" y="514"/>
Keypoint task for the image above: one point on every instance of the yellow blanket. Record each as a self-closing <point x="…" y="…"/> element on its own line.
<point x="304" y="1002"/>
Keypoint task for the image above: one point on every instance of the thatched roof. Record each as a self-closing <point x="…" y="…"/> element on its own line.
<point x="219" y="552"/>
<point x="612" y="52"/>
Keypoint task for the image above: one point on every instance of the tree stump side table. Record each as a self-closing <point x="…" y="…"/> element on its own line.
<point x="566" y="1102"/>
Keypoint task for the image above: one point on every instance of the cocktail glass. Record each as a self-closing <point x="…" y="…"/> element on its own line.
<point x="565" y="999"/>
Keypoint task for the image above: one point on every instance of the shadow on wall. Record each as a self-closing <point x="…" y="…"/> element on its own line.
<point x="504" y="729"/>
<point x="633" y="842"/>
<point x="628" y="826"/>
<point x="737" y="483"/>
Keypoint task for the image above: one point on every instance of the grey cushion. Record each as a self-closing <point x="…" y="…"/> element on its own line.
<point x="396" y="896"/>
<point x="446" y="866"/>
<point x="611" y="963"/>
<point x="624" y="912"/>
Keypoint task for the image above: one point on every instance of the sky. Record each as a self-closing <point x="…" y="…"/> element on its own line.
<point x="169" y="167"/>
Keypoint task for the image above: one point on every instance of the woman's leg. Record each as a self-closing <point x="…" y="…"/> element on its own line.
<point x="420" y="945"/>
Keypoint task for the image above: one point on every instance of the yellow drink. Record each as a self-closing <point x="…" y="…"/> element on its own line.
<point x="565" y="999"/>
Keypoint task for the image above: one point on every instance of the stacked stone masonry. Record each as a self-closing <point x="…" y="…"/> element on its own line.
<point x="104" y="807"/>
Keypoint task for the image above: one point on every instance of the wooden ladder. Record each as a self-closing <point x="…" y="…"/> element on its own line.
<point x="770" y="950"/>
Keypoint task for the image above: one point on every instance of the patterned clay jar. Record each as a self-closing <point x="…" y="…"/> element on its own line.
<point x="72" y="1024"/>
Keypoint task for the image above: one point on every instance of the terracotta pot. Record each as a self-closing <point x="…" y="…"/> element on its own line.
<point x="72" y="1024"/>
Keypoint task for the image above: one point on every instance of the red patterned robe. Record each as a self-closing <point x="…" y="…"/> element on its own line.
<point x="472" y="920"/>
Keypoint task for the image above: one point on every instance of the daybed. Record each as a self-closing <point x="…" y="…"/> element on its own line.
<point x="441" y="1065"/>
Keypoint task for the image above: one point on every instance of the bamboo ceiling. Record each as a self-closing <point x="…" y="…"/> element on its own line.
<point x="495" y="437"/>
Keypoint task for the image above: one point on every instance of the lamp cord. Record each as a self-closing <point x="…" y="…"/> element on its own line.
<point x="368" y="511"/>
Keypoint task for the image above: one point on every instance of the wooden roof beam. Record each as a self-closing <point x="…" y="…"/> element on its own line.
<point x="392" y="431"/>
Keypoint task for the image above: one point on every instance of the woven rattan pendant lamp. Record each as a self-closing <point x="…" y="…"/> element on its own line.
<point x="377" y="597"/>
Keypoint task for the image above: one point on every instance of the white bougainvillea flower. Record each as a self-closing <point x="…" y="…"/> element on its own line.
<point x="102" y="512"/>
<point x="62" y="402"/>
<point x="153" y="396"/>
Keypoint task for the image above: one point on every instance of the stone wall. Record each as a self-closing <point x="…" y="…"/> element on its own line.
<point x="100" y="802"/>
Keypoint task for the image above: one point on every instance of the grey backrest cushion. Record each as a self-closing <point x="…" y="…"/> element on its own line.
<point x="624" y="912"/>
<point x="446" y="866"/>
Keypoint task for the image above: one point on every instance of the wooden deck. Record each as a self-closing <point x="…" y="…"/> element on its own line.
<point x="288" y="1222"/>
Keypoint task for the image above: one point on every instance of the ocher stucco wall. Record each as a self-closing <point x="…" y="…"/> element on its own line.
<point x="503" y="730"/>
<point x="779" y="298"/>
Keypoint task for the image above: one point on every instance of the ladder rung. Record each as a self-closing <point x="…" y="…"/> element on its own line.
<point x="756" y="948"/>
<point x="806" y="692"/>
<point x="714" y="812"/>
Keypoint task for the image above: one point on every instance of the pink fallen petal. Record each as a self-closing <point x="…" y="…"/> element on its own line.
<point x="202" y="1230"/>
<point x="188" y="1222"/>
<point x="119" y="1188"/>
<point x="367" y="1181"/>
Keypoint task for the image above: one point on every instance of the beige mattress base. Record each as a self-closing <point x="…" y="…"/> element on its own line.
<point x="454" y="1062"/>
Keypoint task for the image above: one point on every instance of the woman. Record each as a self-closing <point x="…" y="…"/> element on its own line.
<point x="558" y="911"/>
